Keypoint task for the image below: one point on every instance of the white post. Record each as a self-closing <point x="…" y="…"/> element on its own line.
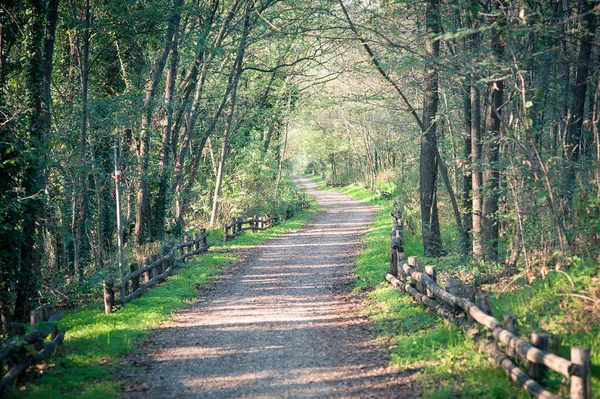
<point x="119" y="225"/>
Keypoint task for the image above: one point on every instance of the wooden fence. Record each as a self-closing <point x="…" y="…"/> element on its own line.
<point x="153" y="269"/>
<point x="463" y="306"/>
<point x="236" y="227"/>
<point x="21" y="350"/>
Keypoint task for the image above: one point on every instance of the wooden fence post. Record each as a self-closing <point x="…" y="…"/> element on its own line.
<point x="135" y="282"/>
<point x="511" y="323"/>
<point x="161" y="266"/>
<point x="36" y="316"/>
<point x="147" y="274"/>
<point x="394" y="262"/>
<point x="204" y="243"/>
<point x="419" y="285"/>
<point x="431" y="272"/>
<point x="452" y="286"/>
<point x="109" y="296"/>
<point x="412" y="262"/>
<point x="469" y="292"/>
<point x="540" y="341"/>
<point x="581" y="387"/>
<point x="196" y="243"/>
<point x="187" y="239"/>
<point x="483" y="301"/>
<point x="225" y="236"/>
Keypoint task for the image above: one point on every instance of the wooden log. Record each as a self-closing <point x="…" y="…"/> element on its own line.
<point x="14" y="372"/>
<point x="535" y="355"/>
<point x="431" y="272"/>
<point x="190" y="254"/>
<point x="517" y="375"/>
<point x="432" y="304"/>
<point x="154" y="279"/>
<point x="581" y="386"/>
<point x="17" y="344"/>
<point x="109" y="296"/>
<point x="540" y="341"/>
<point x="511" y="323"/>
<point x="523" y="347"/>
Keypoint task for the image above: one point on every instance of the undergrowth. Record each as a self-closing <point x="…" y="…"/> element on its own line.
<point x="87" y="364"/>
<point x="449" y="363"/>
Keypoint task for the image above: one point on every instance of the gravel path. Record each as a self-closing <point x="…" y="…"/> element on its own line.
<point x="283" y="325"/>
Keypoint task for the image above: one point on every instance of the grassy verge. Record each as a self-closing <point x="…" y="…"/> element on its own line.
<point x="449" y="364"/>
<point x="86" y="364"/>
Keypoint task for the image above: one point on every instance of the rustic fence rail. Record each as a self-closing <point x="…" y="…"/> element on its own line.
<point x="153" y="269"/>
<point x="463" y="306"/>
<point x="20" y="350"/>
<point x="236" y="227"/>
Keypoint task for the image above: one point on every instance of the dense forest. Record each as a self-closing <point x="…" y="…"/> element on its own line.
<point x="489" y="110"/>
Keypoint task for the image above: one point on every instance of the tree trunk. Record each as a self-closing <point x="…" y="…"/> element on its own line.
<point x="491" y="149"/>
<point x="432" y="241"/>
<point x="575" y="140"/>
<point x="467" y="172"/>
<point x="82" y="240"/>
<point x="161" y="199"/>
<point x="34" y="172"/>
<point x="142" y="217"/>
<point x="238" y="73"/>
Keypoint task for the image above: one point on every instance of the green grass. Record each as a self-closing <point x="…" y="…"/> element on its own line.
<point x="450" y="364"/>
<point x="95" y="342"/>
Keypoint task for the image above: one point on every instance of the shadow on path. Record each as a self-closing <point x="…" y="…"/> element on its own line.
<point x="284" y="325"/>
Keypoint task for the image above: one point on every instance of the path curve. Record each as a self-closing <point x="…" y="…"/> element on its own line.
<point x="283" y="325"/>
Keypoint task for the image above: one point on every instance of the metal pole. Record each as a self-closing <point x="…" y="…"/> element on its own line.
<point x="119" y="225"/>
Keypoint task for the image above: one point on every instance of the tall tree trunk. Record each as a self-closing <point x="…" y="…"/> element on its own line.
<point x="142" y="218"/>
<point x="34" y="172"/>
<point x="577" y="109"/>
<point x="82" y="239"/>
<point x="161" y="199"/>
<point x="467" y="172"/>
<point x="430" y="224"/>
<point x="491" y="149"/>
<point x="224" y="147"/>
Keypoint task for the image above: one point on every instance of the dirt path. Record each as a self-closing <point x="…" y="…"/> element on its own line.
<point x="284" y="325"/>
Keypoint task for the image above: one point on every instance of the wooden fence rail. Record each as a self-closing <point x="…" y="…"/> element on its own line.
<point x="236" y="227"/>
<point x="420" y="282"/>
<point x="154" y="269"/>
<point x="14" y="352"/>
<point x="157" y="267"/>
